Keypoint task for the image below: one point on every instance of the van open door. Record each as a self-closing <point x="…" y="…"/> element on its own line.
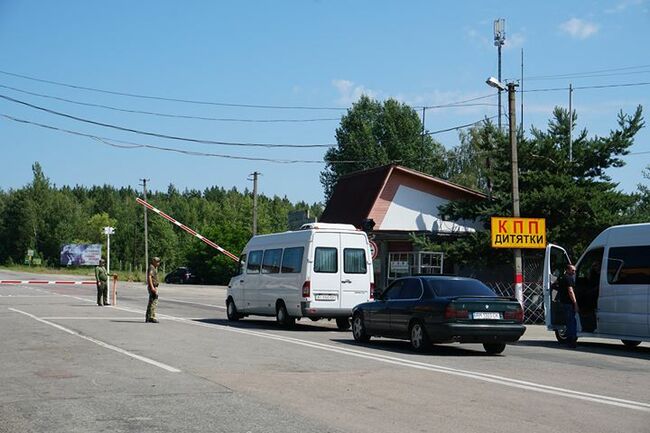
<point x="556" y="260"/>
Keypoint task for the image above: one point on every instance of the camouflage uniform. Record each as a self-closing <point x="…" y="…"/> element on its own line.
<point x="152" y="279"/>
<point x="101" y="278"/>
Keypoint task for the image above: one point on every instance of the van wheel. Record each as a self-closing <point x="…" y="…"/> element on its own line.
<point x="282" y="316"/>
<point x="359" y="329"/>
<point x="560" y="335"/>
<point x="631" y="343"/>
<point x="420" y="341"/>
<point x="231" y="311"/>
<point x="494" y="348"/>
<point x="343" y="323"/>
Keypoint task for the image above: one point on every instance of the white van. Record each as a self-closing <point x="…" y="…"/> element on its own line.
<point x="612" y="286"/>
<point x="320" y="271"/>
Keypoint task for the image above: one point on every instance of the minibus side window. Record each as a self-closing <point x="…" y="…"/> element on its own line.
<point x="354" y="261"/>
<point x="326" y="260"/>
<point x="292" y="260"/>
<point x="629" y="265"/>
<point x="271" y="262"/>
<point x="242" y="264"/>
<point x="254" y="262"/>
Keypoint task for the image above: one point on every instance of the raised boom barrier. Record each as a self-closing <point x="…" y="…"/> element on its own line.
<point x="187" y="229"/>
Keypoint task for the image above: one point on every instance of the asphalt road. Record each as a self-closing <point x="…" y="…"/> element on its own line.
<point x="67" y="365"/>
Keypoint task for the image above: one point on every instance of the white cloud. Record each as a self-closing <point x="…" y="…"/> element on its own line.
<point x="624" y="5"/>
<point x="579" y="29"/>
<point x="350" y="92"/>
<point x="515" y="40"/>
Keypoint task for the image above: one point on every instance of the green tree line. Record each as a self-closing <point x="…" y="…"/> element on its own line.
<point x="43" y="217"/>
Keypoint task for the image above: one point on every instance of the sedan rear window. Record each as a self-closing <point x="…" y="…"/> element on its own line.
<point x="459" y="288"/>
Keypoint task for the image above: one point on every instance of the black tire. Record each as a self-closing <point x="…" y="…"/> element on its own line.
<point x="631" y="343"/>
<point x="343" y="323"/>
<point x="560" y="335"/>
<point x="359" y="329"/>
<point x="282" y="316"/>
<point x="231" y="311"/>
<point x="494" y="348"/>
<point x="419" y="338"/>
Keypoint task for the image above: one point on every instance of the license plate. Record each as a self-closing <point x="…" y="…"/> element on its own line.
<point x="325" y="297"/>
<point x="487" y="315"/>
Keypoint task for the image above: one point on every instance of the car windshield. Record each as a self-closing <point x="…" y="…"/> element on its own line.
<point x="459" y="288"/>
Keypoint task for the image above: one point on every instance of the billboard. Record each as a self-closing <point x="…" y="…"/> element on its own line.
<point x="81" y="254"/>
<point x="518" y="232"/>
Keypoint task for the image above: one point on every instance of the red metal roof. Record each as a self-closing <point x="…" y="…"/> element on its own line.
<point x="355" y="194"/>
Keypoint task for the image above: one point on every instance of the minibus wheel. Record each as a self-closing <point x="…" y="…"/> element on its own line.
<point x="343" y="323"/>
<point x="231" y="311"/>
<point x="560" y="335"/>
<point x="282" y="316"/>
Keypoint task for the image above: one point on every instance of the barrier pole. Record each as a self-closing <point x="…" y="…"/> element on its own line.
<point x="113" y="300"/>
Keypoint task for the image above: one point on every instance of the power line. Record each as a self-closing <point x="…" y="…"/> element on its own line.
<point x="154" y="113"/>
<point x="573" y="74"/>
<point x="202" y="102"/>
<point x="455" y="128"/>
<point x="158" y="135"/>
<point x="163" y="98"/>
<point x="600" y="86"/>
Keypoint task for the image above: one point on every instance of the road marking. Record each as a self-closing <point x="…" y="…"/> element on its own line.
<point x="192" y="303"/>
<point x="139" y="319"/>
<point x="100" y="343"/>
<point x="29" y="296"/>
<point x="500" y="380"/>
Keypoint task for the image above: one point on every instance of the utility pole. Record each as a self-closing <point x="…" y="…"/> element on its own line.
<point x="424" y="114"/>
<point x="570" y="123"/>
<point x="146" y="228"/>
<point x="255" y="174"/>
<point x="519" y="278"/>
<point x="499" y="41"/>
<point x="521" y="92"/>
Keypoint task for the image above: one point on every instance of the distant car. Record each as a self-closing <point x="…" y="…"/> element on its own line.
<point x="182" y="276"/>
<point x="440" y="309"/>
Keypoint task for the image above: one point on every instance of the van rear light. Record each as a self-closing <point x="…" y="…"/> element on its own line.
<point x="517" y="315"/>
<point x="306" y="289"/>
<point x="372" y="290"/>
<point x="452" y="313"/>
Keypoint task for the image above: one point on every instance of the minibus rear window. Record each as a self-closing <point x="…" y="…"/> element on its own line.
<point x="354" y="261"/>
<point x="292" y="260"/>
<point x="326" y="260"/>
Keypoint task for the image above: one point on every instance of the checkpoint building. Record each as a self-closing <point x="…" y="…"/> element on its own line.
<point x="392" y="203"/>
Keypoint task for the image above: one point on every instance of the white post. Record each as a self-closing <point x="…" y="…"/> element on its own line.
<point x="108" y="231"/>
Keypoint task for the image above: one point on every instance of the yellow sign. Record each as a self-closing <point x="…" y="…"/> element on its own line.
<point x="518" y="232"/>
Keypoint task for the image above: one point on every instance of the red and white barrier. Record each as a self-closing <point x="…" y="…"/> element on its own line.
<point x="43" y="282"/>
<point x="187" y="229"/>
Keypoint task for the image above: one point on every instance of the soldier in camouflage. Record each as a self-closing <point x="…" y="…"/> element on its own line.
<point x="101" y="278"/>
<point x="152" y="288"/>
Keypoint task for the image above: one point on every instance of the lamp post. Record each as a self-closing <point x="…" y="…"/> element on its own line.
<point x="499" y="41"/>
<point x="493" y="82"/>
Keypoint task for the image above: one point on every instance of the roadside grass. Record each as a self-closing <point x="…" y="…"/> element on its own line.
<point x="88" y="271"/>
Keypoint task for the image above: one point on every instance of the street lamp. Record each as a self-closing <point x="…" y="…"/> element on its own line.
<point x="493" y="82"/>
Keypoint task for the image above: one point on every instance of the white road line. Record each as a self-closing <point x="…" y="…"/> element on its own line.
<point x="139" y="319"/>
<point x="500" y="380"/>
<point x="29" y="296"/>
<point x="192" y="303"/>
<point x="100" y="343"/>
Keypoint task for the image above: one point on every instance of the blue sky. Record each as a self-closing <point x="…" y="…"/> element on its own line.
<point x="294" y="53"/>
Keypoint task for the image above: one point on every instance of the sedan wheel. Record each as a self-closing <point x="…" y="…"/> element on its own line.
<point x="494" y="348"/>
<point x="359" y="329"/>
<point x="419" y="339"/>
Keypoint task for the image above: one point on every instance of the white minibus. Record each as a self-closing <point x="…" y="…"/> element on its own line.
<point x="320" y="271"/>
<point x="612" y="286"/>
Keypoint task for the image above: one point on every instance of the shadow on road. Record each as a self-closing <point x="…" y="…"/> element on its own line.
<point x="269" y="325"/>
<point x="610" y="349"/>
<point x="403" y="347"/>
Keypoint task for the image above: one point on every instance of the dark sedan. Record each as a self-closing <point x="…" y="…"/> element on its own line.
<point x="440" y="309"/>
<point x="182" y="276"/>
